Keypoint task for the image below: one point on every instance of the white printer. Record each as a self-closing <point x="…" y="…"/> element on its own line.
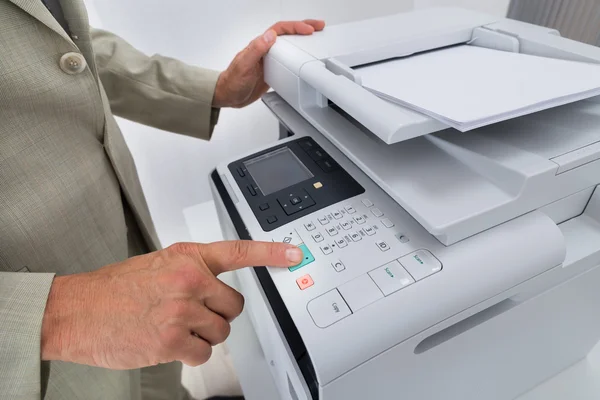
<point x="438" y="264"/>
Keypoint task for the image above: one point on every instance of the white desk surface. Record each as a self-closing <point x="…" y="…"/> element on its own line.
<point x="579" y="382"/>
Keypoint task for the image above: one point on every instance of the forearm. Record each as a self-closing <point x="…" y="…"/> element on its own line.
<point x="156" y="91"/>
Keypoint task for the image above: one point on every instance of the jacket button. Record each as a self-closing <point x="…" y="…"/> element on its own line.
<point x="72" y="63"/>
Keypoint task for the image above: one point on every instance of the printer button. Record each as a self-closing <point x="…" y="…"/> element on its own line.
<point x="391" y="277"/>
<point x="271" y="220"/>
<point x="341" y="242"/>
<point x="337" y="215"/>
<point x="360" y="292"/>
<point x="332" y="231"/>
<point x="369" y="231"/>
<point x="264" y="207"/>
<point x="346" y="225"/>
<point x="360" y="219"/>
<point x="251" y="190"/>
<point x="338" y="266"/>
<point x="323" y="220"/>
<point x="327" y="249"/>
<point x="387" y="223"/>
<point x="289" y="238"/>
<point x="305" y="282"/>
<point x="377" y="212"/>
<point x="307" y="144"/>
<point x="308" y="258"/>
<point x="350" y="210"/>
<point x="355" y="236"/>
<point x="383" y="246"/>
<point x="421" y="264"/>
<point x="327" y="165"/>
<point x="310" y="226"/>
<point x="317" y="237"/>
<point x="316" y="154"/>
<point x="328" y="309"/>
<point x="368" y="203"/>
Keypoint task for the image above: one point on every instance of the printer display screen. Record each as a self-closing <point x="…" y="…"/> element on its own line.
<point x="277" y="170"/>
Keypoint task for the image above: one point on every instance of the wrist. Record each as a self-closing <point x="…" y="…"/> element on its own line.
<point x="66" y="309"/>
<point x="220" y="97"/>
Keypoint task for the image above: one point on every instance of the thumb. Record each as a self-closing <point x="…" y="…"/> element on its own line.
<point x="258" y="48"/>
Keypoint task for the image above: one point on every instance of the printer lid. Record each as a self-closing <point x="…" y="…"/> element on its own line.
<point x="362" y="42"/>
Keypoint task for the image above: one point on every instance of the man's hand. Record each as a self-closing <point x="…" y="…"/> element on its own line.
<point x="243" y="83"/>
<point x="152" y="309"/>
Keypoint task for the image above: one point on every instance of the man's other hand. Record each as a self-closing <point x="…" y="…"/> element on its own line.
<point x="152" y="309"/>
<point x="242" y="83"/>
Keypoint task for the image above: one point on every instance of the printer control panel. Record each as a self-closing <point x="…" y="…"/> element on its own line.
<point x="355" y="238"/>
<point x="289" y="181"/>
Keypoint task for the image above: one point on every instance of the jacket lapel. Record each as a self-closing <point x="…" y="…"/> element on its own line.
<point x="37" y="10"/>
<point x="76" y="16"/>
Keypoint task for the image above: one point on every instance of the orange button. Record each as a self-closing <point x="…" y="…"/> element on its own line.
<point x="304" y="282"/>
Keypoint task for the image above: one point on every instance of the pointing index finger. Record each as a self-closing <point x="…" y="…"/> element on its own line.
<point x="231" y="255"/>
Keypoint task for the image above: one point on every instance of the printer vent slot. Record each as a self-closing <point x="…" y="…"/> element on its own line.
<point x="463" y="326"/>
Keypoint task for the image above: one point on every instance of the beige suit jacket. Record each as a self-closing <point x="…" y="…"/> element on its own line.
<point x="70" y="198"/>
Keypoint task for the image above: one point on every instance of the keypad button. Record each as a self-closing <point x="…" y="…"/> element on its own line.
<point x="360" y="292"/>
<point x="317" y="237"/>
<point x="332" y="231"/>
<point x="377" y="212"/>
<point x="264" y="207"/>
<point x="350" y="210"/>
<point x="338" y="266"/>
<point x="367" y="203"/>
<point x="251" y="190"/>
<point x="355" y="236"/>
<point x="310" y="226"/>
<point x="241" y="172"/>
<point x="305" y="282"/>
<point x="387" y="223"/>
<point x="337" y="215"/>
<point x="346" y="225"/>
<point x="341" y="242"/>
<point x="295" y="202"/>
<point x="272" y="219"/>
<point x="391" y="277"/>
<point x="369" y="230"/>
<point x="308" y="258"/>
<point x="421" y="264"/>
<point x="360" y="219"/>
<point x="323" y="220"/>
<point x="290" y="237"/>
<point x="327" y="249"/>
<point x="383" y="246"/>
<point x="328" y="309"/>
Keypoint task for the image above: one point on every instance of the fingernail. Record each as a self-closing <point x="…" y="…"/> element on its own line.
<point x="269" y="36"/>
<point x="294" y="255"/>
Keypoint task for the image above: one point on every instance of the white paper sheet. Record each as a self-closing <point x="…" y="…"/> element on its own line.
<point x="468" y="87"/>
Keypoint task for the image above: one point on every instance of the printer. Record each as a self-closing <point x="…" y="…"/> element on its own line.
<point x="438" y="264"/>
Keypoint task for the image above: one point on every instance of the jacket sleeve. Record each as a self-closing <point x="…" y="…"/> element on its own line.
<point x="23" y="298"/>
<point x="157" y="91"/>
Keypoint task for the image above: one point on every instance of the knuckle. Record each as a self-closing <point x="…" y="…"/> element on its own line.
<point x="170" y="340"/>
<point x="177" y="309"/>
<point x="241" y="249"/>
